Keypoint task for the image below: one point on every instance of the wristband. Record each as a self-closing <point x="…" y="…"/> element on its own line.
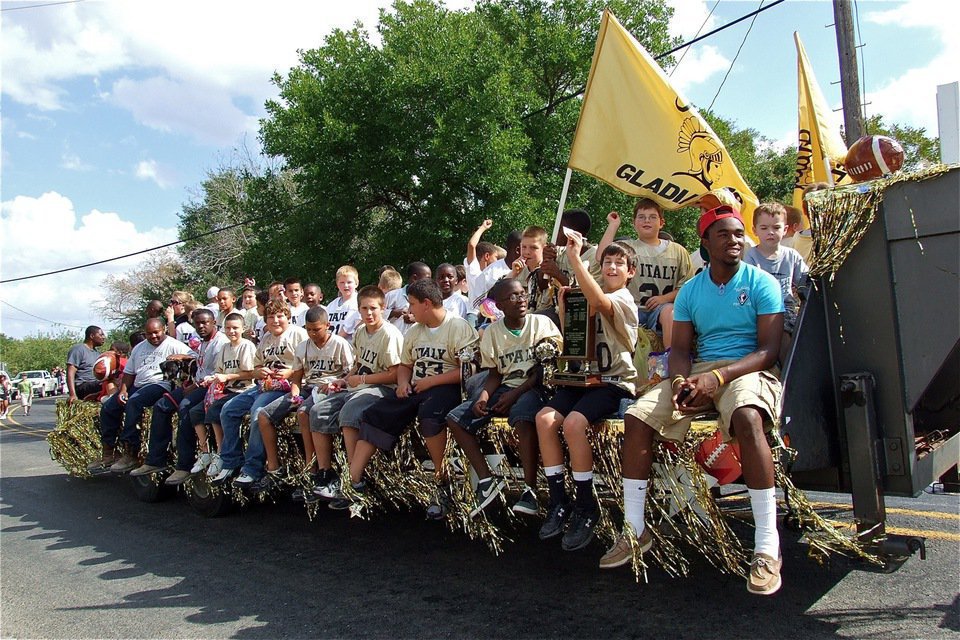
<point x="720" y="379"/>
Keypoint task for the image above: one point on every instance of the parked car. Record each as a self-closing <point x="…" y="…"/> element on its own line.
<point x="43" y="383"/>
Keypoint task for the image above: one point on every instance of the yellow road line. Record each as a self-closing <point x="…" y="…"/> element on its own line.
<point x="922" y="533"/>
<point x="35" y="434"/>
<point x="941" y="515"/>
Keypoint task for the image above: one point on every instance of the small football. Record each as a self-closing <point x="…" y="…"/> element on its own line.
<point x="105" y="366"/>
<point x="873" y="157"/>
<point x="719" y="459"/>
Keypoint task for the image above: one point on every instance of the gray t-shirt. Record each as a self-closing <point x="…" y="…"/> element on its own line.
<point x="788" y="267"/>
<point x="83" y="358"/>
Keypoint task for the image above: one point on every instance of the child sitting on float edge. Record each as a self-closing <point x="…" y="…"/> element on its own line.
<point x="513" y="388"/>
<point x="319" y="361"/>
<point x="377" y="347"/>
<point x="234" y="370"/>
<point x="273" y="366"/>
<point x="574" y="409"/>
<point x="428" y="387"/>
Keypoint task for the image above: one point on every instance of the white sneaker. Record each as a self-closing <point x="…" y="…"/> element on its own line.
<point x="215" y="466"/>
<point x="201" y="464"/>
<point x="221" y="476"/>
<point x="244" y="479"/>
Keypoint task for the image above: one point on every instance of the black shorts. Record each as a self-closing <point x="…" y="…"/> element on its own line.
<point x="595" y="403"/>
<point x="385" y="421"/>
<point x="84" y="389"/>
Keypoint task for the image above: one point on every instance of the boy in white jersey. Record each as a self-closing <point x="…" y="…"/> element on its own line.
<point x="556" y="264"/>
<point x="377" y="347"/>
<point x="273" y="366"/>
<point x="233" y="371"/>
<point x="513" y="388"/>
<point x="447" y="281"/>
<point x="428" y="387"/>
<point x="344" y="316"/>
<point x="574" y="409"/>
<point x="319" y="361"/>
<point x="662" y="266"/>
<point x="293" y="290"/>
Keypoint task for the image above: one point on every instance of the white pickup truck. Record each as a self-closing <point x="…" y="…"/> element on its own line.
<point x="44" y="384"/>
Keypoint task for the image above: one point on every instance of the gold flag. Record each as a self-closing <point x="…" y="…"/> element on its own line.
<point x="639" y="135"/>
<point x="820" y="149"/>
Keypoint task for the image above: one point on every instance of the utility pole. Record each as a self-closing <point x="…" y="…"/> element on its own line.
<point x="849" y="76"/>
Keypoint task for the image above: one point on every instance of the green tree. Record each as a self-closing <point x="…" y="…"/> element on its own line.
<point x="919" y="150"/>
<point x="126" y="297"/>
<point x="401" y="148"/>
<point x="42" y="351"/>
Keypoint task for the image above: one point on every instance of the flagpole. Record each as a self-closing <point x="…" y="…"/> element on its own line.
<point x="563" y="203"/>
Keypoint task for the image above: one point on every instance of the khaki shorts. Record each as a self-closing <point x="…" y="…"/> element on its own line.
<point x="760" y="389"/>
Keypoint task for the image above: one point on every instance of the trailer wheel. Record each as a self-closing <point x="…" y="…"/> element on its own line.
<point x="206" y="500"/>
<point x="150" y="488"/>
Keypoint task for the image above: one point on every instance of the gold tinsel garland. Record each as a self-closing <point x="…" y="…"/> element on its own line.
<point x="839" y="217"/>
<point x="682" y="514"/>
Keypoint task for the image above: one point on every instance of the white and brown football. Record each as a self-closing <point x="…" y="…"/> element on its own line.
<point x="105" y="366"/>
<point x="873" y="157"/>
<point x="720" y="459"/>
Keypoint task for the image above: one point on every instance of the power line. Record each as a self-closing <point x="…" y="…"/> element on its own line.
<point x="734" y="61"/>
<point x="687" y="50"/>
<point x="658" y="57"/>
<point x="135" y="253"/>
<point x="39" y="6"/>
<point x="256" y="218"/>
<point x="54" y="322"/>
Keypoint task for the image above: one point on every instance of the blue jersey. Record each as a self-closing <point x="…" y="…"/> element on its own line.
<point x="725" y="318"/>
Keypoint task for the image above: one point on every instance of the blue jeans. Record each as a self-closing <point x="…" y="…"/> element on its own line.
<point x="161" y="429"/>
<point x="112" y="414"/>
<point x="251" y="400"/>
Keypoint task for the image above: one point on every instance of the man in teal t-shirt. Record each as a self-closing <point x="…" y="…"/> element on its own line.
<point x="736" y="313"/>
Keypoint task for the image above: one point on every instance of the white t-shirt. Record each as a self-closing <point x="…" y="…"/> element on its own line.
<point x="344" y="316"/>
<point x="479" y="282"/>
<point x="397" y="299"/>
<point x="144" y="361"/>
<point x="457" y="305"/>
<point x="208" y="352"/>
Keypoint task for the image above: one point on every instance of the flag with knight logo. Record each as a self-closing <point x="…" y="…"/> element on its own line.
<point x="636" y="133"/>
<point x="820" y="149"/>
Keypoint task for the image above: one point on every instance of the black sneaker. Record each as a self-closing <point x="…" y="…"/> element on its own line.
<point x="299" y="494"/>
<point x="268" y="481"/>
<point x="343" y="503"/>
<point x="487" y="491"/>
<point x="556" y="519"/>
<point x="580" y="531"/>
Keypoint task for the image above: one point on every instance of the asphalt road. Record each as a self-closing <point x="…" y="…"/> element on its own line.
<point x="84" y="558"/>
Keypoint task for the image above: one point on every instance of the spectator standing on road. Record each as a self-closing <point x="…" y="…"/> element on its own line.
<point x="26" y="395"/>
<point x="80" y="360"/>
<point x="4" y="395"/>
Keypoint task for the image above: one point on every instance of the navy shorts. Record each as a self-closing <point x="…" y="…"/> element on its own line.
<point x="384" y="422"/>
<point x="525" y="409"/>
<point x="212" y="415"/>
<point x="594" y="403"/>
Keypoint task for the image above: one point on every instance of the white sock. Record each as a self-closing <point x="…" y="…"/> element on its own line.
<point x="634" y="500"/>
<point x="553" y="471"/>
<point x="581" y="476"/>
<point x="763" y="503"/>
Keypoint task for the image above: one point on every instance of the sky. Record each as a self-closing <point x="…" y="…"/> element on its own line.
<point x="114" y="110"/>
